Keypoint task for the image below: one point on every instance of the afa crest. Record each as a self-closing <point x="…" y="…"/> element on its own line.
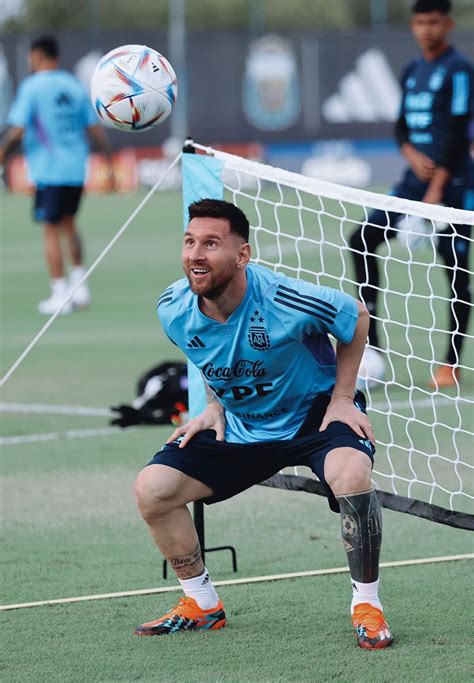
<point x="257" y="334"/>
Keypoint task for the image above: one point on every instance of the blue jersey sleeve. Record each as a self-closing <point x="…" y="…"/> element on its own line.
<point x="21" y="112"/>
<point x="166" y="310"/>
<point x="307" y="309"/>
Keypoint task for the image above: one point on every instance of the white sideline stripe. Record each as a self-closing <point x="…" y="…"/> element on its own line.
<point x="108" y="431"/>
<point x="54" y="409"/>
<point x="235" y="582"/>
<point x="419" y="403"/>
<point x="55" y="436"/>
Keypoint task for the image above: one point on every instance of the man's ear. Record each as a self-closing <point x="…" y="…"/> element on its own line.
<point x="245" y="252"/>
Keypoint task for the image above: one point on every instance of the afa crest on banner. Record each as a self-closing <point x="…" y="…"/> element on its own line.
<point x="271" y="86"/>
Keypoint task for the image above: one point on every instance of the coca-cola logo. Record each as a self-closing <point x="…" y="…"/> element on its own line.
<point x="242" y="368"/>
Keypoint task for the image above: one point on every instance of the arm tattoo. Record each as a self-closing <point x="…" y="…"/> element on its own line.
<point x="188" y="566"/>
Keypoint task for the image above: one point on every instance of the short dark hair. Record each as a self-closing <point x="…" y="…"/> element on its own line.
<point x="48" y="45"/>
<point x="426" y="6"/>
<point x="218" y="208"/>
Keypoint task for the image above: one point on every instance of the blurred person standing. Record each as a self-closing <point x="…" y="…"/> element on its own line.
<point x="432" y="133"/>
<point x="54" y="119"/>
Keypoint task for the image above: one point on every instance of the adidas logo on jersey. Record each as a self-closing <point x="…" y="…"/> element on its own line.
<point x="63" y="99"/>
<point x="196" y="343"/>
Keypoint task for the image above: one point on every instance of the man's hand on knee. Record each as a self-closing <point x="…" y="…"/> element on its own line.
<point x="342" y="409"/>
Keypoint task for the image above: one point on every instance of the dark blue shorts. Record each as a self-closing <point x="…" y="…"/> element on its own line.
<point x="229" y="468"/>
<point x="53" y="202"/>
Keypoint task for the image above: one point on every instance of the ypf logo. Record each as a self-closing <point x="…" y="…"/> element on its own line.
<point x="257" y="334"/>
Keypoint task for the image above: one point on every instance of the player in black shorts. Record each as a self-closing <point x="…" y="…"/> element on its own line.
<point x="432" y="132"/>
<point x="278" y="395"/>
<point x="53" y="118"/>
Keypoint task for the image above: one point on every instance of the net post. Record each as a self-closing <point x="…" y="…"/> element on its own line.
<point x="213" y="188"/>
<point x="198" y="515"/>
<point x="188" y="147"/>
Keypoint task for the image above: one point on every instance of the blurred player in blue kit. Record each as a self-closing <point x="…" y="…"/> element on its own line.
<point x="53" y="117"/>
<point x="432" y="133"/>
<point x="277" y="395"/>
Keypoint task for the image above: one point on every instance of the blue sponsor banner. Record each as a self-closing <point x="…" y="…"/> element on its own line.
<point x="201" y="180"/>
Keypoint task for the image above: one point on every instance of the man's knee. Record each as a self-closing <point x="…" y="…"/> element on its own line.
<point x="347" y="470"/>
<point x="156" y="491"/>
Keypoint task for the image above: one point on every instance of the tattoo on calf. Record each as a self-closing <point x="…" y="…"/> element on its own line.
<point x="361" y="525"/>
<point x="188" y="566"/>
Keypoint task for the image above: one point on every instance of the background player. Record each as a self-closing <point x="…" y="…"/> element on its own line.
<point x="53" y="117"/>
<point x="432" y="132"/>
<point x="253" y="333"/>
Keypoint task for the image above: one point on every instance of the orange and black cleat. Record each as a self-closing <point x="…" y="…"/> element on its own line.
<point x="371" y="630"/>
<point x="446" y="376"/>
<point x="186" y="616"/>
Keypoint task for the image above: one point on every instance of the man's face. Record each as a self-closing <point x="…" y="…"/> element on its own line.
<point x="211" y="256"/>
<point x="430" y="29"/>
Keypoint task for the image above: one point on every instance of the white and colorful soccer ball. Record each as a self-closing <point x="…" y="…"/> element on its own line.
<point x="133" y="88"/>
<point x="371" y="370"/>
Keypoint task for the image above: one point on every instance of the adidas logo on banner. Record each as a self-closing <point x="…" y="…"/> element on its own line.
<point x="370" y="92"/>
<point x="196" y="343"/>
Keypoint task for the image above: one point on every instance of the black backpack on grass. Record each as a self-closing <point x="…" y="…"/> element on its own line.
<point x="162" y="398"/>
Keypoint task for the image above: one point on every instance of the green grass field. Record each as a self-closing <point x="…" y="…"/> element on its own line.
<point x="71" y="528"/>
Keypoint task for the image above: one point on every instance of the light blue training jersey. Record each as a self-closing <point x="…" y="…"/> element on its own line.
<point x="272" y="356"/>
<point x="55" y="111"/>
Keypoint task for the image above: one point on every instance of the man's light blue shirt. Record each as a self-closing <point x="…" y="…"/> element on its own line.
<point x="55" y="111"/>
<point x="268" y="361"/>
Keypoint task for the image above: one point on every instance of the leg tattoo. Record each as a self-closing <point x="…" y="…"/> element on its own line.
<point x="361" y="522"/>
<point x="188" y="566"/>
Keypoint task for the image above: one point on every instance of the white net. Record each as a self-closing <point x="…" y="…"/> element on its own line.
<point x="303" y="227"/>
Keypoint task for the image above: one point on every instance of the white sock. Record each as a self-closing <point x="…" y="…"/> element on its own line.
<point x="365" y="592"/>
<point x="201" y="589"/>
<point x="58" y="285"/>
<point x="77" y="273"/>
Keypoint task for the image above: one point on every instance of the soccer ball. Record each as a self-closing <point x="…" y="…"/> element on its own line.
<point x="371" y="370"/>
<point x="133" y="88"/>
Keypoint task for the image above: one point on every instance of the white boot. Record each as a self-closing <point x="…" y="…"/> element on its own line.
<point x="59" y="292"/>
<point x="82" y="296"/>
<point x="371" y="371"/>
